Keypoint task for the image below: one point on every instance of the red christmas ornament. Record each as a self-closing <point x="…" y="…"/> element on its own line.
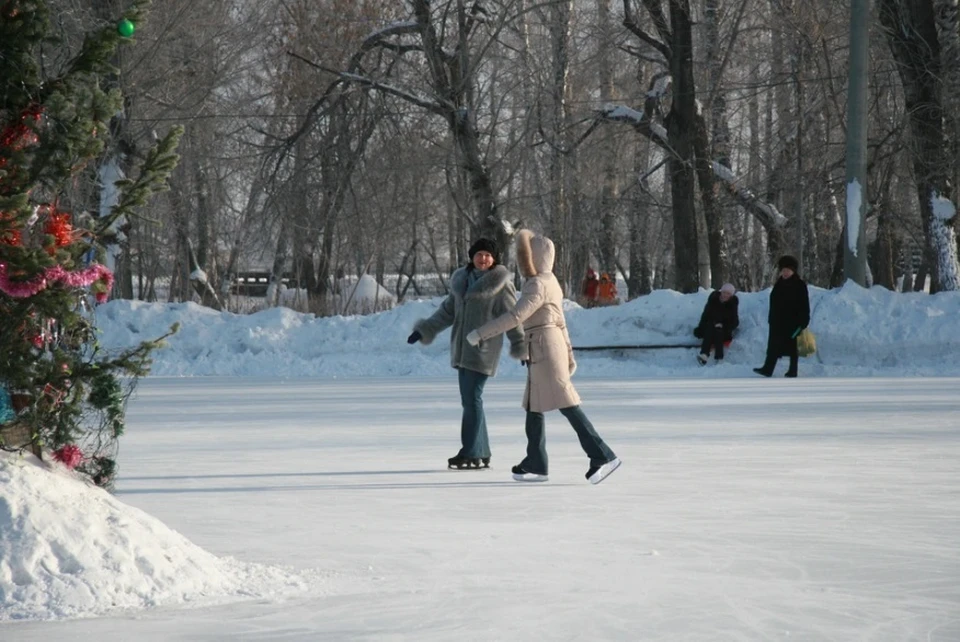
<point x="20" y="134"/>
<point x="11" y="237"/>
<point x="58" y="226"/>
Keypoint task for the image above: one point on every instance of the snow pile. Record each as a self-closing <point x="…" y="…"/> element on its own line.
<point x="943" y="208"/>
<point x="68" y="549"/>
<point x="364" y="296"/>
<point x="860" y="332"/>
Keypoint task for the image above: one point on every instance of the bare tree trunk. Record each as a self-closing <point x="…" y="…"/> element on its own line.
<point x="780" y="79"/>
<point x="531" y="159"/>
<point x="200" y="268"/>
<point x="948" y="32"/>
<point x="681" y="127"/>
<point x="717" y="149"/>
<point x="713" y="216"/>
<point x="753" y="268"/>
<point x="453" y="78"/>
<point x="180" y="284"/>
<point x="279" y="265"/>
<point x="251" y="207"/>
<point x="885" y="253"/>
<point x="911" y="32"/>
<point x="562" y="227"/>
<point x="124" y="275"/>
<point x="639" y="281"/>
<point x="304" y="221"/>
<point x="202" y="285"/>
<point x="609" y="184"/>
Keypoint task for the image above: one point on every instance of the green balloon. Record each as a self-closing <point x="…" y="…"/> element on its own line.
<point x="125" y="28"/>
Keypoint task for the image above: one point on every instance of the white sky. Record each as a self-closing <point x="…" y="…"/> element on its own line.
<point x="303" y="496"/>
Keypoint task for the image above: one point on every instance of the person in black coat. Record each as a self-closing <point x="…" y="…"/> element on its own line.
<point x="719" y="319"/>
<point x="789" y="314"/>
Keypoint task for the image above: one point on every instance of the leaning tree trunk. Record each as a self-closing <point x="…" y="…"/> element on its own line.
<point x="678" y="140"/>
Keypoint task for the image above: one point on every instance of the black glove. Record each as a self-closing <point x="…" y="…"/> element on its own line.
<point x="524" y="362"/>
<point x="414" y="336"/>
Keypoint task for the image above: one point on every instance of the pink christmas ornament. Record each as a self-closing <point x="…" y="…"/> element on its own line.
<point x="79" y="279"/>
<point x="69" y="455"/>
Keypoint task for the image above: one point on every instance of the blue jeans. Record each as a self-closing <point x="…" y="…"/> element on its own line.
<point x="473" y="426"/>
<point x="536" y="459"/>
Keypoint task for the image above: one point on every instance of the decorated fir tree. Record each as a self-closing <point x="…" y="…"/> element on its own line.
<point x="59" y="391"/>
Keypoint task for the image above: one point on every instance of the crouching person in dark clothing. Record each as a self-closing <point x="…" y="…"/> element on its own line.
<point x="719" y="319"/>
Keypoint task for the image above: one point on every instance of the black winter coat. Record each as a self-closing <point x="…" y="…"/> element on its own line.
<point x="789" y="310"/>
<point x="716" y="311"/>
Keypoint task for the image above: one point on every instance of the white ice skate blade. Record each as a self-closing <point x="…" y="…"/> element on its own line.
<point x="604" y="471"/>
<point x="530" y="477"/>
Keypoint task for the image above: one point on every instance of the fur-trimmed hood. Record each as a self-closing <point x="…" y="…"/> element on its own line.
<point x="540" y="311"/>
<point x="488" y="285"/>
<point x="535" y="254"/>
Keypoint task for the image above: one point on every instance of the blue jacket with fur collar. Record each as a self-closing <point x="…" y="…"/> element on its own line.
<point x="466" y="309"/>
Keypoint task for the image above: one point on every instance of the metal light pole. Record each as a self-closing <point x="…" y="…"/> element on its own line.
<point x="855" y="234"/>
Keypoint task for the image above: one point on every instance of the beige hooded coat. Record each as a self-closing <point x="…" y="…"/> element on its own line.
<point x="540" y="311"/>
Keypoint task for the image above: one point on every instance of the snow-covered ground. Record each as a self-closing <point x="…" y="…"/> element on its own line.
<point x="307" y="498"/>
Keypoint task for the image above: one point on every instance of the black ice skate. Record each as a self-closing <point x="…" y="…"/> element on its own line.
<point x="520" y="474"/>
<point x="468" y="463"/>
<point x="597" y="474"/>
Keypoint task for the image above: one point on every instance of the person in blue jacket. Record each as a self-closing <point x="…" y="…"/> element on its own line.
<point x="480" y="291"/>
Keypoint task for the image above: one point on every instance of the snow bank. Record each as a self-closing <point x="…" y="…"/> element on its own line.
<point x="68" y="549"/>
<point x="859" y="332"/>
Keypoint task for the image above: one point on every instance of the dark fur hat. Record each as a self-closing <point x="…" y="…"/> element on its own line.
<point x="485" y="245"/>
<point x="787" y="261"/>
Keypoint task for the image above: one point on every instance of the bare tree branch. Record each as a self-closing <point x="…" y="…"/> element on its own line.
<point x="630" y="22"/>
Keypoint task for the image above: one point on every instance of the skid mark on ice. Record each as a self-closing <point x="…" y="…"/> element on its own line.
<point x="340" y="473"/>
<point x="344" y="487"/>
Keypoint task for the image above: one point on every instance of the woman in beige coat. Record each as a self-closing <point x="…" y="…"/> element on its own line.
<point x="550" y="364"/>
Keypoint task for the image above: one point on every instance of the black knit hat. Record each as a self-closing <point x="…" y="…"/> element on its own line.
<point x="787" y="261"/>
<point x="485" y="245"/>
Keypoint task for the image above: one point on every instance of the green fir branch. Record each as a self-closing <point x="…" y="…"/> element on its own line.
<point x="160" y="162"/>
